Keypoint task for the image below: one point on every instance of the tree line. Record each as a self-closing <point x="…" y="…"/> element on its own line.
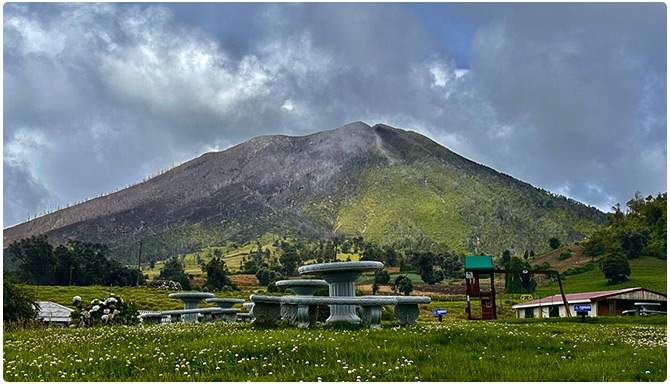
<point x="73" y="263"/>
<point x="639" y="231"/>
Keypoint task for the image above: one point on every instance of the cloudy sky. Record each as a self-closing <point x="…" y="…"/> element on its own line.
<point x="568" y="97"/>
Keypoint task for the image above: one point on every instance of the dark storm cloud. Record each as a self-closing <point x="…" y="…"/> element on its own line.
<point x="97" y="96"/>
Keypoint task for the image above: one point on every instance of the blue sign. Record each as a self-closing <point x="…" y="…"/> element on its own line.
<point x="438" y="312"/>
<point x="582" y="307"/>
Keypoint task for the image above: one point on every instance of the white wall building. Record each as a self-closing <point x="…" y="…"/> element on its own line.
<point x="603" y="303"/>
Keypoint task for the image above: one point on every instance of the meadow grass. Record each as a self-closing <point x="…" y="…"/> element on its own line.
<point x="144" y="297"/>
<point x="448" y="351"/>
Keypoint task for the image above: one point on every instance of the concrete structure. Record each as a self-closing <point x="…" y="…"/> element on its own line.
<point x="301" y="287"/>
<point x="53" y="313"/>
<point x="191" y="301"/>
<point x="371" y="313"/>
<point x="266" y="310"/>
<point x="341" y="278"/>
<point x="406" y="311"/>
<point x="603" y="303"/>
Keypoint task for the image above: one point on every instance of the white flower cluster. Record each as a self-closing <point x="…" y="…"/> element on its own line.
<point x="105" y="310"/>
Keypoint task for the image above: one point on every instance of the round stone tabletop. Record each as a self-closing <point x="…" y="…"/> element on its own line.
<point x="344" y="266"/>
<point x="302" y="283"/>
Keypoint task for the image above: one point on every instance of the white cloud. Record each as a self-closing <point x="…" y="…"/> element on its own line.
<point x="112" y="92"/>
<point x="288" y="105"/>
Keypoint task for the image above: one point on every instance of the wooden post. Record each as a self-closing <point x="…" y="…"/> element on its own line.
<point x="493" y="295"/>
<point x="565" y="300"/>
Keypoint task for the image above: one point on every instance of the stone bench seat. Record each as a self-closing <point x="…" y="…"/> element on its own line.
<point x="191" y="311"/>
<point x="266" y="310"/>
<point x="371" y="307"/>
<point x="340" y="300"/>
<point x="407" y="310"/>
<point x="151" y="318"/>
<point x="225" y="314"/>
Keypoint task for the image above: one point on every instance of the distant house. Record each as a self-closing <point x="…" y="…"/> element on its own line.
<point x="51" y="312"/>
<point x="603" y="303"/>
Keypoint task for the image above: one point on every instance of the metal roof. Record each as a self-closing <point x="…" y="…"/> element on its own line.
<point x="576" y="298"/>
<point x="478" y="262"/>
<point x="53" y="312"/>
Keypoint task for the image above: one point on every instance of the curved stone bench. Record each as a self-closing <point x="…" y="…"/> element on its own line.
<point x="151" y="318"/>
<point x="371" y="307"/>
<point x="191" y="315"/>
<point x="244" y="317"/>
<point x="407" y="310"/>
<point x="266" y="310"/>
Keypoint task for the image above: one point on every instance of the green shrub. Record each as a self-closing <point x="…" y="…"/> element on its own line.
<point x="18" y="305"/>
<point x="616" y="268"/>
<point x="565" y="255"/>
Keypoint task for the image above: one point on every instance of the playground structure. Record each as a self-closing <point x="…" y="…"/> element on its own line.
<point x="481" y="266"/>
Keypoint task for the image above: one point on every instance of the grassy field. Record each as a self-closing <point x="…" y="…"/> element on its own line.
<point x="448" y="351"/>
<point x="145" y="298"/>
<point x="156" y="299"/>
<point x="647" y="272"/>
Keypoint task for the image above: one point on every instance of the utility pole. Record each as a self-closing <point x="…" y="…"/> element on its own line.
<point x="71" y="268"/>
<point x="139" y="265"/>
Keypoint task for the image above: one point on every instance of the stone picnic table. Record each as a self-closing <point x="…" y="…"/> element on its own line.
<point x="191" y="301"/>
<point x="341" y="278"/>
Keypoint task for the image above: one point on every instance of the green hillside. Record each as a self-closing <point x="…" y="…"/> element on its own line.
<point x="390" y="186"/>
<point x="647" y="272"/>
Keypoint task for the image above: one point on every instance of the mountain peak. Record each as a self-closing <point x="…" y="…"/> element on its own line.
<point x="387" y="184"/>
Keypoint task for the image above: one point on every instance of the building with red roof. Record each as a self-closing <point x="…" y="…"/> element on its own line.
<point x="603" y="303"/>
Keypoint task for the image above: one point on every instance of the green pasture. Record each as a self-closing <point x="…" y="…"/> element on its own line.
<point x="145" y="298"/>
<point x="647" y="272"/>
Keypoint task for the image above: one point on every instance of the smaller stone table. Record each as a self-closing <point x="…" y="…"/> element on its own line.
<point x="191" y="301"/>
<point x="224" y="302"/>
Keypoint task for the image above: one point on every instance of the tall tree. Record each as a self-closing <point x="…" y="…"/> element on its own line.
<point x="37" y="264"/>
<point x="633" y="241"/>
<point x="615" y="267"/>
<point x="217" y="275"/>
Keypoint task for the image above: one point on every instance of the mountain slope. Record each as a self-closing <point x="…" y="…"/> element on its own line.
<point x="391" y="186"/>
